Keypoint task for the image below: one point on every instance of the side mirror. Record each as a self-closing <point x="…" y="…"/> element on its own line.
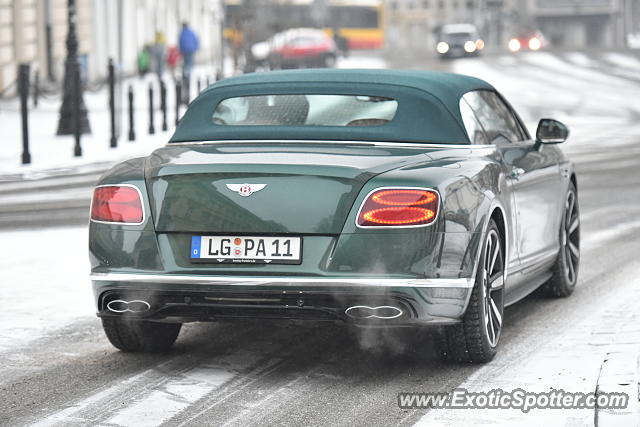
<point x="551" y="132"/>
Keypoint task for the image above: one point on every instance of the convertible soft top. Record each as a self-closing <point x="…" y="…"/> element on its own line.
<point x="428" y="105"/>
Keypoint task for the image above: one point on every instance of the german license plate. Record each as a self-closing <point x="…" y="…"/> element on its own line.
<point x="246" y="249"/>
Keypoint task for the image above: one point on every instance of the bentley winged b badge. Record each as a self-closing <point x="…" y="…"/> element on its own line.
<point x="245" y="190"/>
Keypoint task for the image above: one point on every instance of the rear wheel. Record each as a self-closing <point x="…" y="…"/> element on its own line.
<point x="134" y="335"/>
<point x="475" y="340"/>
<point x="275" y="62"/>
<point x="565" y="270"/>
<point x="329" y="61"/>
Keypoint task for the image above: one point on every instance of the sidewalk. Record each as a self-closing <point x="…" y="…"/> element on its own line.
<point x="51" y="154"/>
<point x="597" y="354"/>
<point x="620" y="373"/>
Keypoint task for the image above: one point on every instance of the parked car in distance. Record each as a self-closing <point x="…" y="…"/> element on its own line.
<point x="459" y="40"/>
<point x="296" y="48"/>
<point x="532" y="40"/>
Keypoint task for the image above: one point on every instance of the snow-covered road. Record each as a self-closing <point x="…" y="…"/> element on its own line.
<point x="44" y="284"/>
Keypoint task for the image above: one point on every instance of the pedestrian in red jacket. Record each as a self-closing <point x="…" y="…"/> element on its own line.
<point x="173" y="57"/>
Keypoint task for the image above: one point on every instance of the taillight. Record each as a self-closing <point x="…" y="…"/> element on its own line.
<point x="399" y="207"/>
<point x="117" y="203"/>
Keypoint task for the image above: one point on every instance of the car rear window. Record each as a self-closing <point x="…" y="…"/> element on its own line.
<point x="305" y="110"/>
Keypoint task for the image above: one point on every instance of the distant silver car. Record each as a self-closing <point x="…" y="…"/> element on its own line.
<point x="458" y="40"/>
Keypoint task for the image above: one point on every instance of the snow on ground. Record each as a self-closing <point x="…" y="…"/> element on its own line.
<point x="623" y="60"/>
<point x="580" y="59"/>
<point x="49" y="151"/>
<point x="361" y="61"/>
<point x="571" y="362"/>
<point x="44" y="282"/>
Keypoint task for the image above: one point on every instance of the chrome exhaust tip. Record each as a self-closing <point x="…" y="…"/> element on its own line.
<point x="384" y="312"/>
<point x="122" y="306"/>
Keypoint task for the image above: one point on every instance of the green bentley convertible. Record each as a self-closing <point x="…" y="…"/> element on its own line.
<point x="375" y="197"/>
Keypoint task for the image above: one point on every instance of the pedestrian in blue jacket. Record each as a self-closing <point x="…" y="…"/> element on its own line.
<point x="188" y="44"/>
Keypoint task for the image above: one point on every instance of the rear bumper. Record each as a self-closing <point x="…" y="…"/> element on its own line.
<point x="459" y="54"/>
<point x="365" y="301"/>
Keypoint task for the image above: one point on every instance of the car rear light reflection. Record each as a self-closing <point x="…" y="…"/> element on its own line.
<point x="399" y="207"/>
<point x="115" y="203"/>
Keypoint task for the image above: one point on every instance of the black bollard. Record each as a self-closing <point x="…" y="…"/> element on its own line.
<point x="112" y="103"/>
<point x="199" y="85"/>
<point x="163" y="104"/>
<point x="36" y="88"/>
<point x="23" y="89"/>
<point x="185" y="90"/>
<point x="152" y="128"/>
<point x="178" y="101"/>
<point x="77" y="125"/>
<point x="132" y="132"/>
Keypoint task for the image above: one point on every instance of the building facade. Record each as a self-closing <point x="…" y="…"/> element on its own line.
<point x="412" y="25"/>
<point x="34" y="32"/>
<point x="584" y="23"/>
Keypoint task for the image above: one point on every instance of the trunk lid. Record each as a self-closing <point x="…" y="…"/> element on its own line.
<point x="309" y="188"/>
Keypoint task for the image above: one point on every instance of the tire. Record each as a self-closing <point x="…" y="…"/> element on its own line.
<point x="275" y="62"/>
<point x="329" y="61"/>
<point x="565" y="269"/>
<point x="475" y="340"/>
<point x="133" y="335"/>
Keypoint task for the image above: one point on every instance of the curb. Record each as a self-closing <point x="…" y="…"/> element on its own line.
<point x="31" y="178"/>
<point x="619" y="373"/>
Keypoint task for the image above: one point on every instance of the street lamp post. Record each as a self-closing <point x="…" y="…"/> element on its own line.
<point x="48" y="41"/>
<point x="72" y="92"/>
